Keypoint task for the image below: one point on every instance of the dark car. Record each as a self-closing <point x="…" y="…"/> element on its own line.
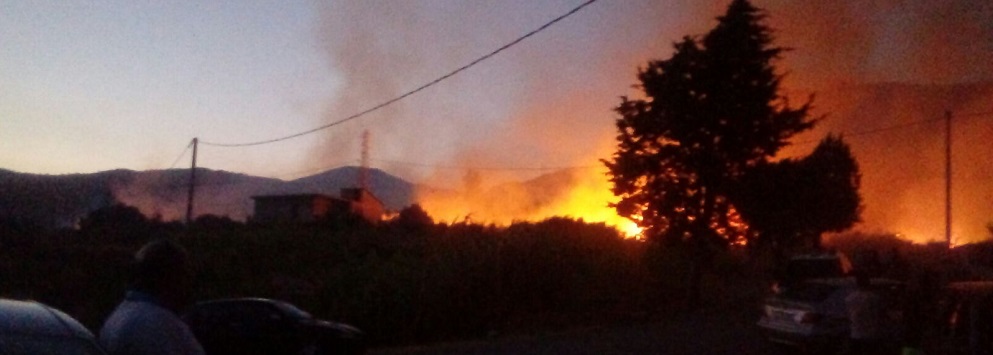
<point x="28" y="327"/>
<point x="265" y="326"/>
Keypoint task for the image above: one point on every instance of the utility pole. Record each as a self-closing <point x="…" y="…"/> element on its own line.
<point x="193" y="184"/>
<point x="948" y="179"/>
<point x="364" y="169"/>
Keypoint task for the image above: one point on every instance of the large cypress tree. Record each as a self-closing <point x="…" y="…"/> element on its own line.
<point x="710" y="112"/>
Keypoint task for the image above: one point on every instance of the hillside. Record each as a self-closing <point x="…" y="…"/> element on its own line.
<point x="59" y="201"/>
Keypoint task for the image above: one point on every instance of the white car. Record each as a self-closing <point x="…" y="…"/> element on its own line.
<point x="28" y="327"/>
<point x="813" y="313"/>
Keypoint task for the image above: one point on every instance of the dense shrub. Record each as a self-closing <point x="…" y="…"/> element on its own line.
<point x="399" y="284"/>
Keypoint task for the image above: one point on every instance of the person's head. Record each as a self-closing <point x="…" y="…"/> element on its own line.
<point x="162" y="269"/>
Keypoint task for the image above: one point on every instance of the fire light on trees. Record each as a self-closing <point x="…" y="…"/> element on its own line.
<point x="711" y="111"/>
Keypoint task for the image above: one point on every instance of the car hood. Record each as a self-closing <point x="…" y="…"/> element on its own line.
<point x="341" y="329"/>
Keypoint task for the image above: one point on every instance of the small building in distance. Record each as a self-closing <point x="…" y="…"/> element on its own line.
<point x="309" y="208"/>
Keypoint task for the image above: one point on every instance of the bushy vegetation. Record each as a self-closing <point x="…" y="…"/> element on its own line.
<point x="414" y="281"/>
<point x="887" y="255"/>
<point x="401" y="282"/>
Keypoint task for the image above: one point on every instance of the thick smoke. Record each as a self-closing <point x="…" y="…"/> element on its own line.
<point x="882" y="64"/>
<point x="547" y="102"/>
<point x="919" y="41"/>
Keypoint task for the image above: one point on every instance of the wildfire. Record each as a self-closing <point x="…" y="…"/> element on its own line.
<point x="581" y="193"/>
<point x="589" y="200"/>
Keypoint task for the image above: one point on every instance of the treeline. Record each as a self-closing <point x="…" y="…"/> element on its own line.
<point x="413" y="281"/>
<point x="406" y="281"/>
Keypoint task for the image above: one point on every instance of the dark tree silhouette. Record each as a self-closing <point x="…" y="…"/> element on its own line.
<point x="414" y="216"/>
<point x="117" y="222"/>
<point x="711" y="111"/>
<point x="770" y="196"/>
<point x="790" y="203"/>
<point x="835" y="204"/>
<point x="114" y="216"/>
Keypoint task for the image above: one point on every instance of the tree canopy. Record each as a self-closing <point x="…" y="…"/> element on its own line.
<point x="790" y="203"/>
<point x="711" y="112"/>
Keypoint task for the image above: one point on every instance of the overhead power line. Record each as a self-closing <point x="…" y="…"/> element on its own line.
<point x="893" y="127"/>
<point x="876" y="130"/>
<point x="414" y="91"/>
<point x="901" y="126"/>
<point x="181" y="155"/>
<point x="563" y="167"/>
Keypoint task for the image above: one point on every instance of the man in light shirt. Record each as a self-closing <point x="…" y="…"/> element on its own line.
<point x="147" y="321"/>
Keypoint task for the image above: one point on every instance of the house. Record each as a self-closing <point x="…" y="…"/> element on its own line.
<point x="307" y="208"/>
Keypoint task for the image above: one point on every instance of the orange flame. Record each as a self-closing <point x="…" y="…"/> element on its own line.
<point x="580" y="193"/>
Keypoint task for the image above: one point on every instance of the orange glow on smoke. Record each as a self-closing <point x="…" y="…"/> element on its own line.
<point x="582" y="193"/>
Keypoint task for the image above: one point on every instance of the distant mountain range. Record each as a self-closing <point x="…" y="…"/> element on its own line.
<point x="59" y="201"/>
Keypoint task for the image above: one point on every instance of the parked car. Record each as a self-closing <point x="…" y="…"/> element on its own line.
<point x="966" y="316"/>
<point x="265" y="326"/>
<point x="29" y="328"/>
<point x="813" y="313"/>
<point x="803" y="267"/>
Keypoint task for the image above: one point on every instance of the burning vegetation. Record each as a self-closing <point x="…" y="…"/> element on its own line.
<point x="580" y="193"/>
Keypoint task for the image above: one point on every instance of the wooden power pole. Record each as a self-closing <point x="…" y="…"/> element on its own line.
<point x="193" y="184"/>
<point x="948" y="179"/>
<point x="364" y="169"/>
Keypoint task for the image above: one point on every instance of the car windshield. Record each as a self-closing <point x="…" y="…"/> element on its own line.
<point x="292" y="311"/>
<point x="19" y="344"/>
<point x="808" y="292"/>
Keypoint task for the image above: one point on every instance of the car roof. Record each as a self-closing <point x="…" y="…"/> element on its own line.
<point x="846" y="264"/>
<point x="815" y="256"/>
<point x="30" y="317"/>
<point x="237" y="300"/>
<point x="850" y="281"/>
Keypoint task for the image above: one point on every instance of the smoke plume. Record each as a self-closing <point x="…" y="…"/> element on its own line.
<point x="546" y="103"/>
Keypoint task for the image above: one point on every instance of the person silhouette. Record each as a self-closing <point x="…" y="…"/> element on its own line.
<point x="147" y="321"/>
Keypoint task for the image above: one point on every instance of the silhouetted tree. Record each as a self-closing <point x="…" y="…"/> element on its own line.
<point x="791" y="203"/>
<point x="769" y="197"/>
<point x="117" y="221"/>
<point x="116" y="215"/>
<point x="835" y="204"/>
<point x="414" y="216"/>
<point x="711" y="111"/>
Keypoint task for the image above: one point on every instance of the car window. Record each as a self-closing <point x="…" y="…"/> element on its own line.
<point x="801" y="269"/>
<point x="809" y="292"/>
